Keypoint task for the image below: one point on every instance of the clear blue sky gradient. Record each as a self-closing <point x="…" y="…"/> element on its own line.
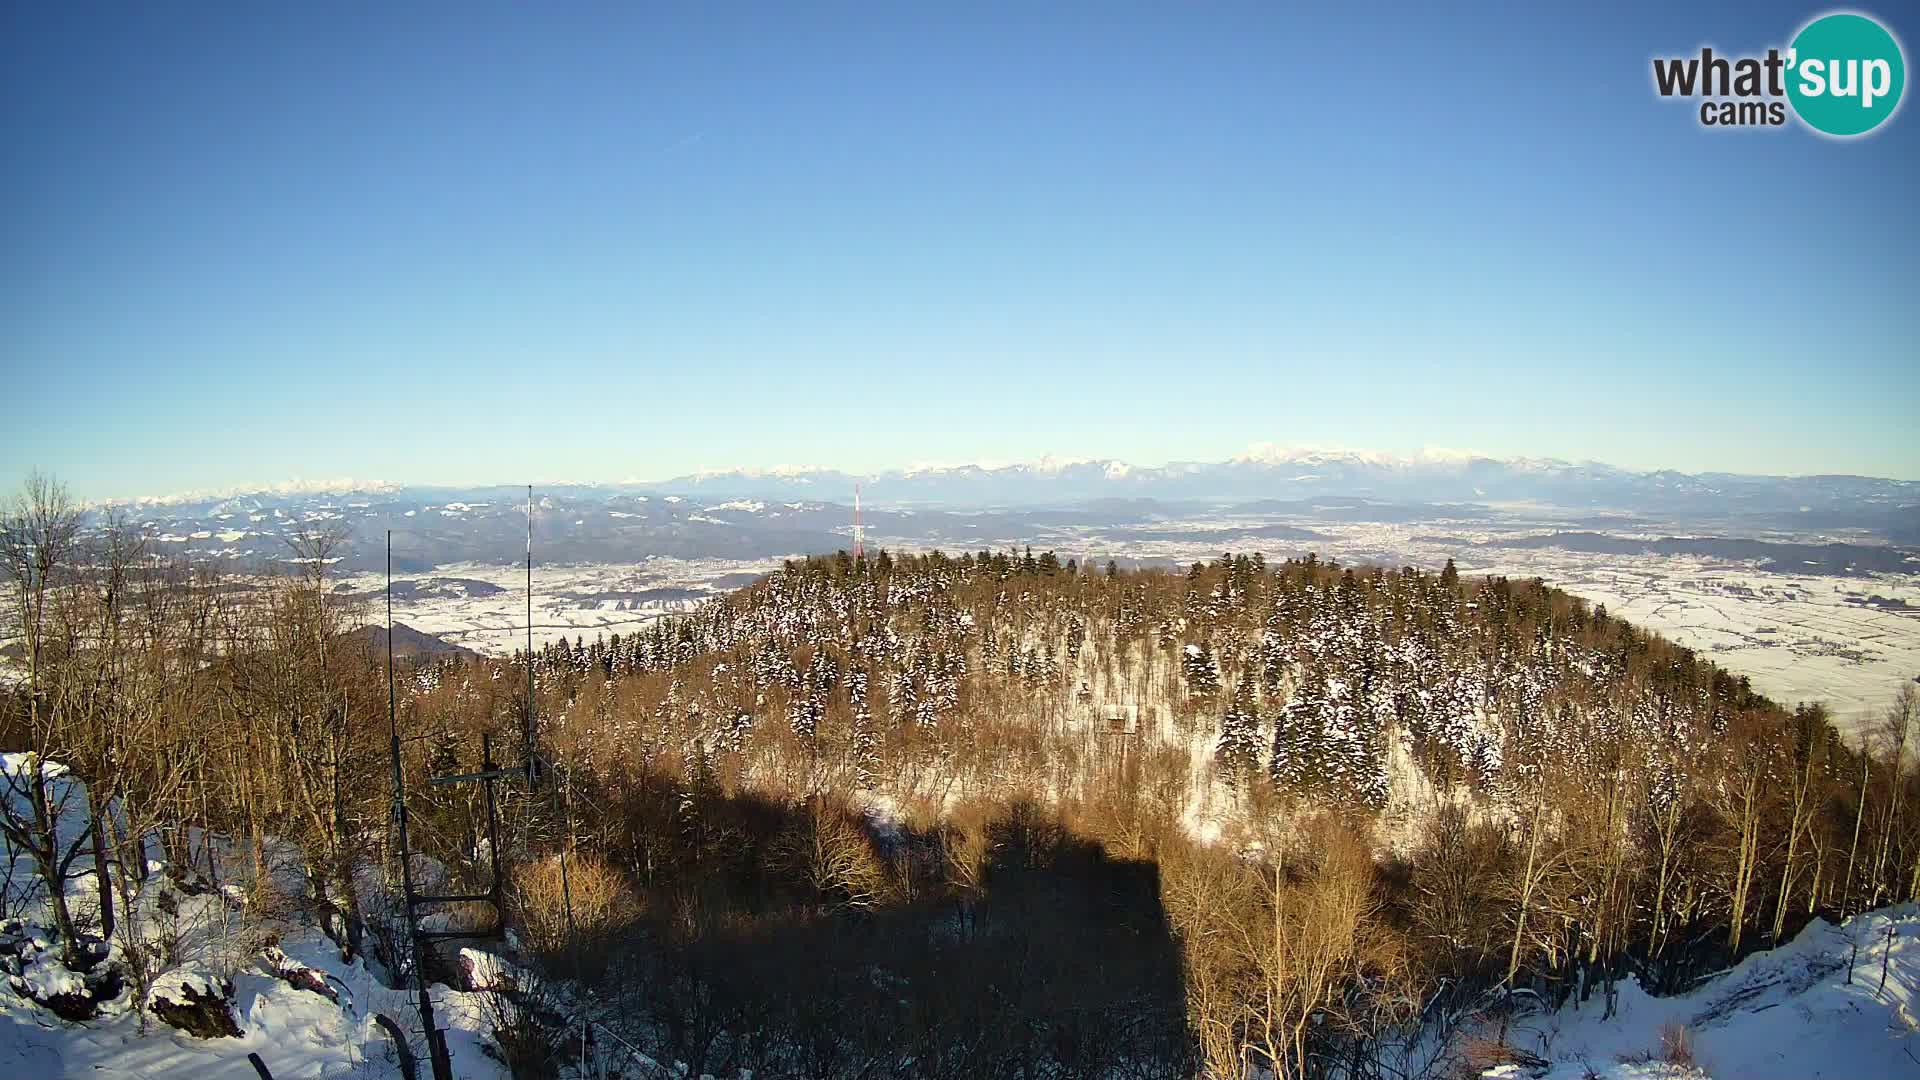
<point x="494" y="243"/>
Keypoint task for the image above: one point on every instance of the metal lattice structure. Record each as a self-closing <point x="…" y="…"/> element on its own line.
<point x="490" y="773"/>
<point x="859" y="532"/>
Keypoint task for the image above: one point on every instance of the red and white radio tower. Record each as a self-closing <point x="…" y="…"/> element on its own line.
<point x="859" y="534"/>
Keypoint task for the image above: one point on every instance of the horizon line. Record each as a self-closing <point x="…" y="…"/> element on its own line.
<point x="1258" y="454"/>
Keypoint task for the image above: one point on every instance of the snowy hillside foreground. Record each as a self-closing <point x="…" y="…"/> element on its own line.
<point x="1792" y="1012"/>
<point x="298" y="1033"/>
<point x="255" y="962"/>
<point x="1785" y="1014"/>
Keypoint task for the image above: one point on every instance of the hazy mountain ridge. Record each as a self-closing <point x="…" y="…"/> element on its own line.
<point x="1434" y="477"/>
<point x="1099" y="505"/>
<point x="1263" y="472"/>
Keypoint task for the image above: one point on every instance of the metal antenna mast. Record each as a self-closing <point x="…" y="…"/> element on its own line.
<point x="533" y="761"/>
<point x="532" y="736"/>
<point x="859" y="534"/>
<point x="436" y="1045"/>
<point x="419" y="939"/>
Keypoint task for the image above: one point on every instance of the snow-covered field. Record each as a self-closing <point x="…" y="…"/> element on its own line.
<point x="1797" y="638"/>
<point x="568" y="601"/>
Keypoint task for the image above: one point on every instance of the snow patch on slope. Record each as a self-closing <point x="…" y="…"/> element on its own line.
<point x="1809" y="1010"/>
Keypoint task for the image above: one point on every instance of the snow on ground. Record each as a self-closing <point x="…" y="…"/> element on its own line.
<point x="208" y="942"/>
<point x="1797" y="638"/>
<point x="584" y="600"/>
<point x="298" y="1033"/>
<point x="1786" y="1014"/>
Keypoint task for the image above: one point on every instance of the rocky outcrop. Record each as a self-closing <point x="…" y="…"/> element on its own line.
<point x="198" y="1004"/>
<point x="35" y="971"/>
<point x="297" y="975"/>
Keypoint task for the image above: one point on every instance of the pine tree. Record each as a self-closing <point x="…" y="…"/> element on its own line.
<point x="1203" y="675"/>
<point x="823" y="673"/>
<point x="943" y="681"/>
<point x="1239" y="747"/>
<point x="1036" y="669"/>
<point x="1275" y="651"/>
<point x="1351" y="746"/>
<point x="1298" y="730"/>
<point x="803" y="715"/>
<point x="866" y="741"/>
<point x="734" y="738"/>
<point x="901" y="700"/>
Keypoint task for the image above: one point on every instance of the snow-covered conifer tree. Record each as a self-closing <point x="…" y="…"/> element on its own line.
<point x="1299" y="729"/>
<point x="1203" y="675"/>
<point x="1239" y="747"/>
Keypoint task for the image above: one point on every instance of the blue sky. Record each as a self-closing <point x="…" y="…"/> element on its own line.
<point x="494" y="243"/>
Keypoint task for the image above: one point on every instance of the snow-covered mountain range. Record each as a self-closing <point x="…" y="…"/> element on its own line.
<point x="1266" y="471"/>
<point x="760" y="513"/>
<point x="1263" y="471"/>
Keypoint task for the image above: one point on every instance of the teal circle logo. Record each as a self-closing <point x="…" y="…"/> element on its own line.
<point x="1845" y="73"/>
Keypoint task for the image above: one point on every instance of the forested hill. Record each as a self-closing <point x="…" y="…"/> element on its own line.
<point x="1485" y="783"/>
<point x="993" y="815"/>
<point x="1306" y="676"/>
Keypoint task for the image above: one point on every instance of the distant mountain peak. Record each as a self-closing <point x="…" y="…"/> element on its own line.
<point x="342" y="486"/>
<point x="1268" y="470"/>
<point x="775" y="472"/>
<point x="1266" y="453"/>
<point x="1262" y="470"/>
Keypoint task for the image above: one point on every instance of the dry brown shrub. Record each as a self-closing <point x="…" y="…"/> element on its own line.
<point x="1676" y="1049"/>
<point x="827" y="849"/>
<point x="1127" y="824"/>
<point x="1676" y="1045"/>
<point x="1271" y="945"/>
<point x="600" y="901"/>
<point x="1480" y="1053"/>
<point x="965" y="846"/>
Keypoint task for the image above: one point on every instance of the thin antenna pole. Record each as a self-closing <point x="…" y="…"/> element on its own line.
<point x="566" y="888"/>
<point x="498" y="891"/>
<point x="533" y="771"/>
<point x="393" y="721"/>
<point x="436" y="1048"/>
<point x="566" y="883"/>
